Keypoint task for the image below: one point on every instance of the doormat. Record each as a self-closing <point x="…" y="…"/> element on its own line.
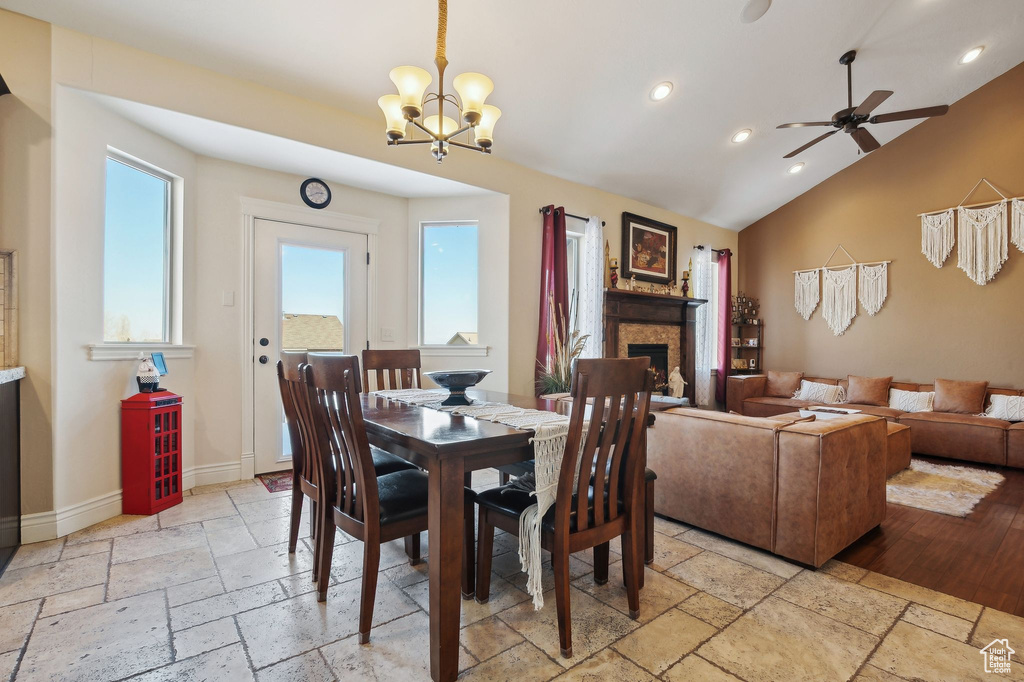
<point x="277" y="482"/>
<point x="942" y="488"/>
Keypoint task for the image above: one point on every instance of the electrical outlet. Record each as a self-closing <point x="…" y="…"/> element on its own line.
<point x="387" y="334"/>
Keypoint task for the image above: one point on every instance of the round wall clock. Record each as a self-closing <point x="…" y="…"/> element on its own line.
<point x="315" y="193"/>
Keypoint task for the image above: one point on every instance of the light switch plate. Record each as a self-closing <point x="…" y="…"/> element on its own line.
<point x="227" y="298"/>
<point x="387" y="334"/>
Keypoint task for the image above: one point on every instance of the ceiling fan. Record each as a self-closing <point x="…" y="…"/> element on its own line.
<point x="850" y="119"/>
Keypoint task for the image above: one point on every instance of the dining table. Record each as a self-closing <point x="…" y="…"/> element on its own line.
<point x="450" y="448"/>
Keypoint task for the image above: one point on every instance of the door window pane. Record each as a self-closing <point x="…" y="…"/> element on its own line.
<point x="135" y="255"/>
<point x="312" y="298"/>
<point x="449" y="287"/>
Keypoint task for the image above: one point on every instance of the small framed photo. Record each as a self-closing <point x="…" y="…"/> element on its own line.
<point x="739" y="363"/>
<point x="735" y="342"/>
<point x="750" y="343"/>
<point x="159" y="363"/>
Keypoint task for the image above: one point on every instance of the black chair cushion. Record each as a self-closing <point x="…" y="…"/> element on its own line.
<point x="521" y="468"/>
<point x="386" y="463"/>
<point x="512" y="502"/>
<point x="403" y="495"/>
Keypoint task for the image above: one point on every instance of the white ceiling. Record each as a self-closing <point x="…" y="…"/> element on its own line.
<point x="572" y="77"/>
<point x="254" y="148"/>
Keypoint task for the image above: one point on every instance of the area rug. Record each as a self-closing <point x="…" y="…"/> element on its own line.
<point x="278" y="481"/>
<point x="942" y="488"/>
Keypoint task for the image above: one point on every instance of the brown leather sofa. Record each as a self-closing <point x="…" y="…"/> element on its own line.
<point x="804" y="490"/>
<point x="940" y="434"/>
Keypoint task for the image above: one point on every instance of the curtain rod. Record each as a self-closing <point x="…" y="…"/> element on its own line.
<point x="700" y="247"/>
<point x="544" y="210"/>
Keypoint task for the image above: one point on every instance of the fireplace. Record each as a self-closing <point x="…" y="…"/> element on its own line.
<point x="659" y="326"/>
<point x="657" y="352"/>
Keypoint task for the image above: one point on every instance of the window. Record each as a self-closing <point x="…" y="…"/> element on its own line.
<point x="136" y="254"/>
<point x="573" y="252"/>
<point x="448" y="288"/>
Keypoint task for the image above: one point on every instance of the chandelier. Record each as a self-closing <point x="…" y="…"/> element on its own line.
<point x="409" y="104"/>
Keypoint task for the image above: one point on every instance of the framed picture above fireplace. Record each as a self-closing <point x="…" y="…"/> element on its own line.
<point x="648" y="249"/>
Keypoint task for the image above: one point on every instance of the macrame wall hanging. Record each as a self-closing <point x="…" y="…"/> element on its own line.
<point x="1017" y="220"/>
<point x="983" y="231"/>
<point x="937" y="236"/>
<point x="806" y="296"/>
<point x="840" y="288"/>
<point x="873" y="286"/>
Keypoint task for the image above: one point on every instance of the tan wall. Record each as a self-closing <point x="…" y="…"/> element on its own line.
<point x="936" y="322"/>
<point x="25" y="167"/>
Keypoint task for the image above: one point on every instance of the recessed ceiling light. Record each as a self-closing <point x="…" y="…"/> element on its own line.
<point x="972" y="54"/>
<point x="796" y="168"/>
<point x="661" y="91"/>
<point x="741" y="135"/>
<point x="754" y="10"/>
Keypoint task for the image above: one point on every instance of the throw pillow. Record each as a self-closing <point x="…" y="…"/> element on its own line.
<point x="820" y="393"/>
<point x="1007" y="407"/>
<point x="911" y="401"/>
<point x="868" y="390"/>
<point x="782" y="384"/>
<point x="961" y="397"/>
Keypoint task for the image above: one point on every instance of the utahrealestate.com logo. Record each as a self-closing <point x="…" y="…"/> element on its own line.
<point x="997" y="656"/>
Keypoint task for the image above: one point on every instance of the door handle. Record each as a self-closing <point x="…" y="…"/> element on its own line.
<point x="264" y="359"/>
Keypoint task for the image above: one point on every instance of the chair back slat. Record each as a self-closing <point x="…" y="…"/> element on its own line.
<point x="392" y="369"/>
<point x="611" y="454"/>
<point x="332" y="383"/>
<point x="296" y="413"/>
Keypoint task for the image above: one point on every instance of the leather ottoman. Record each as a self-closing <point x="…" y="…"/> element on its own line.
<point x="897" y="450"/>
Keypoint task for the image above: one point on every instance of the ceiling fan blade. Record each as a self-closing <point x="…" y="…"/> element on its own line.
<point x="926" y="112"/>
<point x="872" y="102"/>
<point x="865" y="140"/>
<point x="804" y="125"/>
<point x="810" y="144"/>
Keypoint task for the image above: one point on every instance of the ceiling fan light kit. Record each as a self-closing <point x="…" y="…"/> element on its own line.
<point x="412" y="98"/>
<point x="850" y="119"/>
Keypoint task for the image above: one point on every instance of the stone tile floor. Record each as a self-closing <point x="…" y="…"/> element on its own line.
<point x="207" y="591"/>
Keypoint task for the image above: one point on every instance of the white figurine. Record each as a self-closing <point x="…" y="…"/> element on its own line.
<point x="632" y="283"/>
<point x="676" y="383"/>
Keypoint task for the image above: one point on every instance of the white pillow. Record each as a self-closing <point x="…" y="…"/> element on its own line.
<point x="1007" y="407"/>
<point x="820" y="393"/>
<point x="911" y="401"/>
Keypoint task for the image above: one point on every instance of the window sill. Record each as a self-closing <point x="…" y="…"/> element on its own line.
<point x="454" y="351"/>
<point x="131" y="351"/>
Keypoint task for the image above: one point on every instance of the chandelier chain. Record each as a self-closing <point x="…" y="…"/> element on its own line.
<point x="442" y="28"/>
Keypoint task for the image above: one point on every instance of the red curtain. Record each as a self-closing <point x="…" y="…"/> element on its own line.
<point x="724" y="322"/>
<point x="554" y="280"/>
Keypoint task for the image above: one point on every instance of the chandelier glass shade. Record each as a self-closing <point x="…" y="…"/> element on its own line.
<point x="409" y="105"/>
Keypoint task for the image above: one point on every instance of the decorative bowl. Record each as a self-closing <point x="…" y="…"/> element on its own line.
<point x="457" y="381"/>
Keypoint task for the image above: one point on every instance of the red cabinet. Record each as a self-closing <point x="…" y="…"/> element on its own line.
<point x="150" y="452"/>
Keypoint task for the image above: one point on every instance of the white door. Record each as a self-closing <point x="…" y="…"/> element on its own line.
<point x="309" y="293"/>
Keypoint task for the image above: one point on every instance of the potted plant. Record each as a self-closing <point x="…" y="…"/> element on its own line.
<point x="564" y="346"/>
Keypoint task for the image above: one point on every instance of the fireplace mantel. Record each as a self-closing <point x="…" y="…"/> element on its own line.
<point x="636" y="308"/>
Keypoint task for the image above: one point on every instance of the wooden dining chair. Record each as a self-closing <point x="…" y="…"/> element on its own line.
<point x="392" y="369"/>
<point x="607" y="501"/>
<point x="373" y="509"/>
<point x="305" y="476"/>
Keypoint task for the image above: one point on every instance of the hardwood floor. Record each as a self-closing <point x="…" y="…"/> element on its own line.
<point x="978" y="558"/>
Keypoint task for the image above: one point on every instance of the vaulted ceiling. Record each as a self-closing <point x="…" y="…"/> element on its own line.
<point x="573" y="77"/>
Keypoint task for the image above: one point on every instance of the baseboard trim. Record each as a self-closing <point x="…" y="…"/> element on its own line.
<point x="248" y="466"/>
<point x="50" y="525"/>
<point x="61" y="522"/>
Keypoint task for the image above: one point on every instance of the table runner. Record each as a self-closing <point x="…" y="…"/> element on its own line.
<point x="550" y="433"/>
